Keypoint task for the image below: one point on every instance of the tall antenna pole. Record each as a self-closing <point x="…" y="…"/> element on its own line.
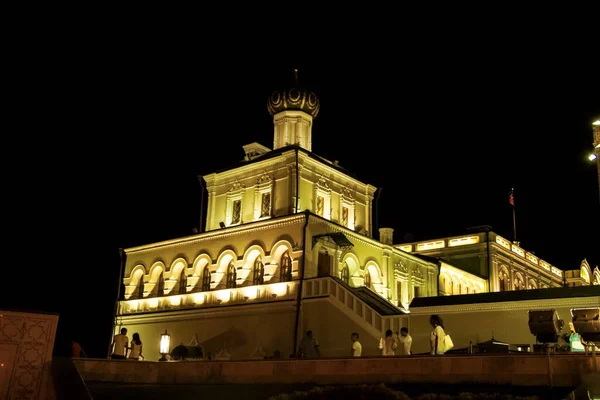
<point x="511" y="200"/>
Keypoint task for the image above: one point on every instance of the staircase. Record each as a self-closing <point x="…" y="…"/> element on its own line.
<point x="372" y="312"/>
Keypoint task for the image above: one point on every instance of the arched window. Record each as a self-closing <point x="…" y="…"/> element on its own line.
<point x="459" y="289"/>
<point x="206" y="279"/>
<point x="259" y="272"/>
<point x="467" y="289"/>
<point x="231" y="276"/>
<point x="503" y="280"/>
<point x="368" y="279"/>
<point x="285" y="268"/>
<point x="345" y="274"/>
<point x="519" y="285"/>
<point x="182" y="282"/>
<point x="140" y="288"/>
<point x="160" y="286"/>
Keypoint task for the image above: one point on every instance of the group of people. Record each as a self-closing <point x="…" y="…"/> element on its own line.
<point x="122" y="349"/>
<point x="391" y="344"/>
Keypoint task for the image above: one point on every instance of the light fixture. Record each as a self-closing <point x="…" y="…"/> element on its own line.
<point x="165" y="344"/>
<point x="586" y="322"/>
<point x="597" y="122"/>
<point x="592" y="157"/>
<point x="545" y="325"/>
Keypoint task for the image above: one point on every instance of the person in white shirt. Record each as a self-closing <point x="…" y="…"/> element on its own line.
<point x="118" y="347"/>
<point x="356" y="350"/>
<point x="404" y="342"/>
<point x="388" y="344"/>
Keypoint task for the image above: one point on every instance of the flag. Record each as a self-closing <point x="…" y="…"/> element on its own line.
<point x="511" y="197"/>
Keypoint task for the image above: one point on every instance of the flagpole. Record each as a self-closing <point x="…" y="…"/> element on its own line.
<point x="512" y="191"/>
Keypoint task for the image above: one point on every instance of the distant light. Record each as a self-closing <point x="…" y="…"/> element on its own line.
<point x="592" y="157"/>
<point x="597" y="122"/>
<point x="519" y="349"/>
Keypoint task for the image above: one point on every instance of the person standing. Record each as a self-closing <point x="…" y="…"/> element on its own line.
<point x="404" y="342"/>
<point x="437" y="335"/>
<point x="575" y="343"/>
<point x="356" y="350"/>
<point x="136" y="347"/>
<point x="309" y="347"/>
<point x="388" y="344"/>
<point x="118" y="347"/>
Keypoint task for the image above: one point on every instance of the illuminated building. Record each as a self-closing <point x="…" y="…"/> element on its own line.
<point x="289" y="247"/>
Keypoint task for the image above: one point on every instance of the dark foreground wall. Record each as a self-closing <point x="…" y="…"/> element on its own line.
<point x="566" y="370"/>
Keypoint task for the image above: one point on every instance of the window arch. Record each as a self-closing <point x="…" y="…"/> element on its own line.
<point x="206" y="279"/>
<point x="259" y="272"/>
<point x="231" y="276"/>
<point x="285" y="269"/>
<point x="368" y="279"/>
<point x="519" y="285"/>
<point x="160" y="285"/>
<point x="345" y="274"/>
<point x="443" y="283"/>
<point x="503" y="280"/>
<point x="182" y="282"/>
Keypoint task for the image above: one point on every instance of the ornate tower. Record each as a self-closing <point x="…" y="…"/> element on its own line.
<point x="293" y="111"/>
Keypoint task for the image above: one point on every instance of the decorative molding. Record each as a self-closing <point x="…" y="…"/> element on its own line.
<point x="236" y="186"/>
<point x="257" y="226"/>
<point x="417" y="272"/>
<point x="264" y="179"/>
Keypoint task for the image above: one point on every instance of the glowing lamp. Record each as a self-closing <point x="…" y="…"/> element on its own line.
<point x="592" y="157"/>
<point x="597" y="122"/>
<point x="165" y="343"/>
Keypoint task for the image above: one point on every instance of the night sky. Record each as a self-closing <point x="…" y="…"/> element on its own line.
<point x="109" y="144"/>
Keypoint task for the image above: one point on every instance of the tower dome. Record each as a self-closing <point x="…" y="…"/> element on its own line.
<point x="294" y="98"/>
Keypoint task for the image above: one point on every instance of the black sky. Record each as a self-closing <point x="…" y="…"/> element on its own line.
<point x="107" y="143"/>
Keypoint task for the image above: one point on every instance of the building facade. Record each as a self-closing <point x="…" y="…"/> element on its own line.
<point x="288" y="247"/>
<point x="488" y="256"/>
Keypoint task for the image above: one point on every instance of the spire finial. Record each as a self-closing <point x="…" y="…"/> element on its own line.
<point x="296" y="76"/>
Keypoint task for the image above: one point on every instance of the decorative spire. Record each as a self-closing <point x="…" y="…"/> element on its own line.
<point x="295" y="77"/>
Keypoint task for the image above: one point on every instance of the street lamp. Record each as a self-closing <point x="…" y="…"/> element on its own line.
<point x="165" y="343"/>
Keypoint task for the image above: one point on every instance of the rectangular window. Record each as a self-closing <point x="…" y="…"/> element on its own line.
<point x="320" y="206"/>
<point x="345" y="214"/>
<point x="236" y="215"/>
<point x="265" y="208"/>
<point x="417" y="292"/>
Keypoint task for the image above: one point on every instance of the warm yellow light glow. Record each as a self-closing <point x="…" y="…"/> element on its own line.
<point x="592" y="157"/>
<point x="597" y="122"/>
<point x="430" y="245"/>
<point x="407" y="248"/>
<point x="463" y="240"/>
<point x="556" y="271"/>
<point x="545" y="265"/>
<point x="133" y="305"/>
<point x="165" y="343"/>
<point x="518" y="250"/>
<point x="175" y="300"/>
<point x="198" y="298"/>
<point x="153" y="303"/>
<point x="280" y="289"/>
<point x="250" y="292"/>
<point x="502" y="242"/>
<point x="531" y="258"/>
<point x="224" y="295"/>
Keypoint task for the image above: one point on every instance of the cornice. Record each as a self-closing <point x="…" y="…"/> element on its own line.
<point x="578" y="302"/>
<point x="257" y="165"/>
<point x="221" y="233"/>
<point x="310" y="162"/>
